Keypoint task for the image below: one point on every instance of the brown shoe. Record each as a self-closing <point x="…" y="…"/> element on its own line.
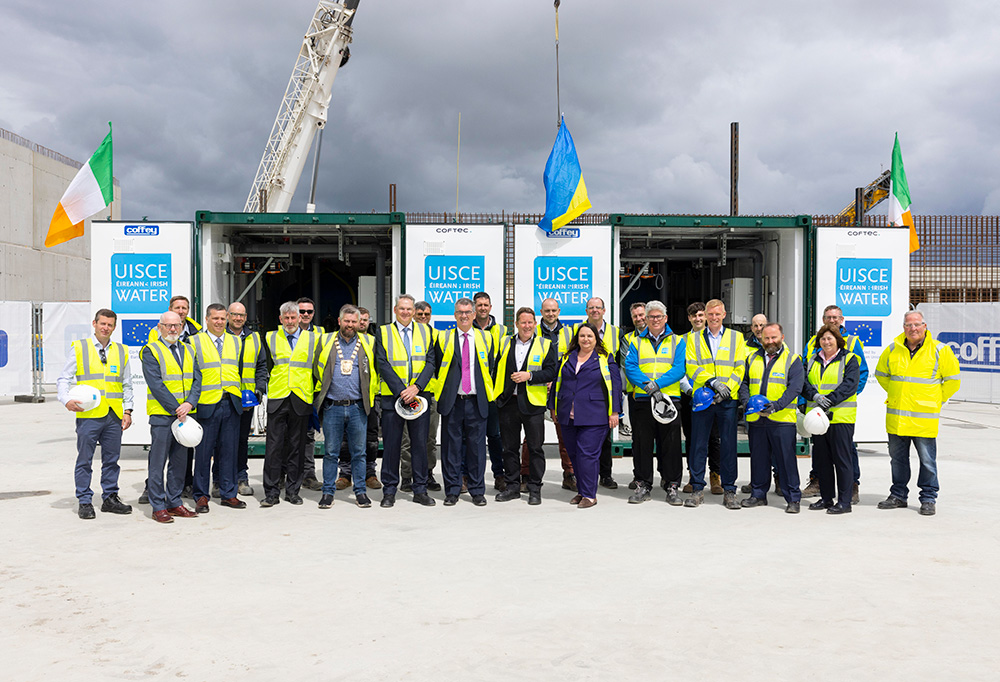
<point x="811" y="490"/>
<point x="201" y="506"/>
<point x="688" y="488"/>
<point x="342" y="483"/>
<point x="465" y="484"/>
<point x="373" y="482"/>
<point x="855" y="495"/>
<point x="576" y="499"/>
<point x="716" y="483"/>
<point x="162" y="516"/>
<point x="182" y="512"/>
<point x="569" y="481"/>
<point x="234" y="503"/>
<point x="586" y="503"/>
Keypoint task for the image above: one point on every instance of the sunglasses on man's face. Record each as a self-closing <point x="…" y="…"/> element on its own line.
<point x="305" y="312"/>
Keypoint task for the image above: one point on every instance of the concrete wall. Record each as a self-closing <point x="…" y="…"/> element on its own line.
<point x="32" y="180"/>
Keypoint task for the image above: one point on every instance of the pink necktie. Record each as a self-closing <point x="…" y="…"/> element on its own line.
<point x="466" y="369"/>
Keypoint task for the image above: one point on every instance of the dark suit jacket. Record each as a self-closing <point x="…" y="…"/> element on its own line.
<point x="452" y="381"/>
<point x="585" y="393"/>
<point x="388" y="374"/>
<point x="547" y="373"/>
<point x="364" y="374"/>
<point x="154" y="380"/>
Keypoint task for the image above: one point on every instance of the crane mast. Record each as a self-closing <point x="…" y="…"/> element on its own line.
<point x="304" y="107"/>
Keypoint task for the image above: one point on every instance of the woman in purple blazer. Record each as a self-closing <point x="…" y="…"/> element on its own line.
<point x="587" y="402"/>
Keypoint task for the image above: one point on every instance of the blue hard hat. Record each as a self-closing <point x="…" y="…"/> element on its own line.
<point x="757" y="403"/>
<point x="250" y="398"/>
<point x="702" y="398"/>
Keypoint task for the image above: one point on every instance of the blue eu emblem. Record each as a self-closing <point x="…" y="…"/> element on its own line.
<point x="869" y="332"/>
<point x="136" y="332"/>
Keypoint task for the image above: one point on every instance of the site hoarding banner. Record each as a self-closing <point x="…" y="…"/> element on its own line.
<point x="15" y="348"/>
<point x="62" y="324"/>
<point x="444" y="263"/>
<point x="570" y="265"/>
<point x="865" y="271"/>
<point x="136" y="268"/>
<point x="973" y="332"/>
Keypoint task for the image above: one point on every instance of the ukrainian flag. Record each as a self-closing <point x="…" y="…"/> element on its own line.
<point x="565" y="191"/>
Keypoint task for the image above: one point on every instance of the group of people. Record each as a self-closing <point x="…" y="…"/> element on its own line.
<point x="492" y="388"/>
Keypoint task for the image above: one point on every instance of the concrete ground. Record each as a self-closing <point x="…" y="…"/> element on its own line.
<point x="502" y="592"/>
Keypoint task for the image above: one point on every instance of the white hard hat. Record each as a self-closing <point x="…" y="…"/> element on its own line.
<point x="816" y="422"/>
<point x="188" y="432"/>
<point x="411" y="410"/>
<point x="663" y="408"/>
<point x="88" y="396"/>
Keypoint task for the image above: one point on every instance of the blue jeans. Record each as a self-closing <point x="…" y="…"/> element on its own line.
<point x="899" y="453"/>
<point x="336" y="420"/>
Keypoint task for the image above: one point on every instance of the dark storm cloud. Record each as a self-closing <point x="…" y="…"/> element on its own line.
<point x="648" y="88"/>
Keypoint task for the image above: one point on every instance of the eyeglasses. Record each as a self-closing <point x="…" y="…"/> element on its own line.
<point x="655" y="317"/>
<point x="306" y="312"/>
<point x="104" y="357"/>
<point x="463" y="313"/>
<point x="914" y="325"/>
<point x="171" y="326"/>
<point x="237" y="314"/>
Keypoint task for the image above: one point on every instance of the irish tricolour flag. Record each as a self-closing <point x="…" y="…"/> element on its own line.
<point x="90" y="192"/>
<point x="899" y="197"/>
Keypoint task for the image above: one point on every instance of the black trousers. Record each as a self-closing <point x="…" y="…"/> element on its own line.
<point x="512" y="420"/>
<point x="714" y="442"/>
<point x="833" y="454"/>
<point x="606" y="459"/>
<point x="665" y="439"/>
<point x="242" y="450"/>
<point x="286" y="432"/>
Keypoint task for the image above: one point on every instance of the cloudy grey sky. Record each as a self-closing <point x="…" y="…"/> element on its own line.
<point x="649" y="89"/>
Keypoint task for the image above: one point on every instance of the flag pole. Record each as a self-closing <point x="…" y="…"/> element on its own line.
<point x="458" y="155"/>
<point x="558" y="103"/>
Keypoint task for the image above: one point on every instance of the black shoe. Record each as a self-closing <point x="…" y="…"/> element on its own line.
<point x="534" y="497"/>
<point x="362" y="501"/>
<point x="270" y="501"/>
<point x="499" y="483"/>
<point x="387" y="501"/>
<point x="821" y="504"/>
<point x="114" y="505"/>
<point x="326" y="502"/>
<point x="754" y="502"/>
<point x="293" y="498"/>
<point x="509" y="494"/>
<point x="432" y="484"/>
<point x="450" y="500"/>
<point x="310" y="483"/>
<point x="479" y="500"/>
<point x="633" y="484"/>
<point x="792" y="508"/>
<point x="144" y="497"/>
<point x="86" y="511"/>
<point x="928" y="508"/>
<point x="188" y="492"/>
<point x="424" y="499"/>
<point x="838" y="509"/>
<point x="892" y="502"/>
<point x="609" y="483"/>
<point x="569" y="482"/>
<point x="406" y="485"/>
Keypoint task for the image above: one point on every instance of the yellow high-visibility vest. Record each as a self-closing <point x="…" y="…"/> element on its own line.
<point x="777" y="382"/>
<point x="406" y="368"/>
<point x="106" y="378"/>
<point x="176" y="378"/>
<point x="248" y="361"/>
<point x="654" y="363"/>
<point x="482" y="342"/>
<point x="154" y="333"/>
<point x="219" y="374"/>
<point x="917" y="386"/>
<point x="537" y="394"/>
<point x="825" y="381"/>
<point x="729" y="363"/>
<point x="293" y="369"/>
<point x="367" y="345"/>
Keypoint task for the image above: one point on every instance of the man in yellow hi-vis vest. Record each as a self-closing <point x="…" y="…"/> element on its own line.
<point x="494" y="445"/>
<point x="307" y="323"/>
<point x="920" y="374"/>
<point x="406" y="361"/>
<point x="293" y="356"/>
<point x="422" y="312"/>
<point x="253" y="377"/>
<point x="103" y="364"/>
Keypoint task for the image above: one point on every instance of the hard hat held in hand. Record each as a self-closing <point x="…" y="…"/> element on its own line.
<point x="249" y="398"/>
<point x="757" y="403"/>
<point x="412" y="410"/>
<point x="702" y="399"/>
<point x="663" y="408"/>
<point x="188" y="432"/>
<point x="88" y="396"/>
<point x="800" y="426"/>
<point x="816" y="422"/>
